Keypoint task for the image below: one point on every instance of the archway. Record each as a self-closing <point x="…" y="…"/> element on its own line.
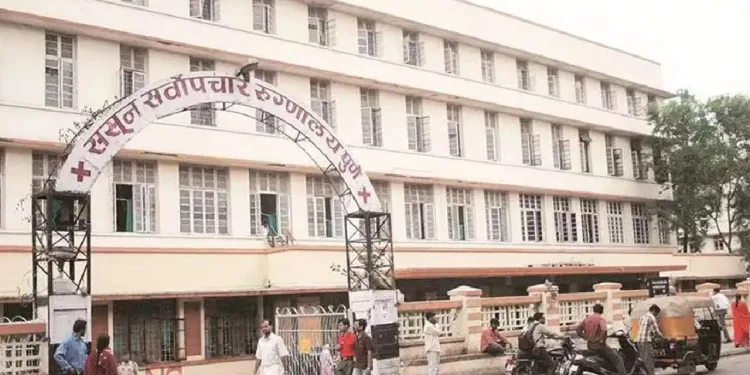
<point x="61" y="232"/>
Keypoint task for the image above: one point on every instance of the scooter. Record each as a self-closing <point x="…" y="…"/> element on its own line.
<point x="525" y="363"/>
<point x="586" y="362"/>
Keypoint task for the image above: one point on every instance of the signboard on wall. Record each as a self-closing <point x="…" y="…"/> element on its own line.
<point x="658" y="286"/>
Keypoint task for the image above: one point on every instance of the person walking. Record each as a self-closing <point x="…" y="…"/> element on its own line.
<point x="721" y="305"/>
<point x="346" y="342"/>
<point x="101" y="361"/>
<point x="432" y="343"/>
<point x="741" y="322"/>
<point x="363" y="350"/>
<point x="271" y="356"/>
<point x="648" y="330"/>
<point x="71" y="354"/>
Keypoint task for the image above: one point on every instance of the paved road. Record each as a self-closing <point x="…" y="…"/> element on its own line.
<point x="736" y="365"/>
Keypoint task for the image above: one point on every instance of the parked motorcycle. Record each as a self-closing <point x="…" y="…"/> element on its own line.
<point x="524" y="363"/>
<point x="586" y="362"/>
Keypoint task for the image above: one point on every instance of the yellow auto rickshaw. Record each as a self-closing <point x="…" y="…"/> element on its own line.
<point x="691" y="332"/>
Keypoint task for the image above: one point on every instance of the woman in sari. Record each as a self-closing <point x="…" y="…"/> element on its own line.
<point x="101" y="361"/>
<point x="741" y="322"/>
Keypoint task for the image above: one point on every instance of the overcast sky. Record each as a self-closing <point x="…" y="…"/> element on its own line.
<point x="701" y="44"/>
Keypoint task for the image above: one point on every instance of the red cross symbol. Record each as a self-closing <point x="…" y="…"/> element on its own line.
<point x="364" y="194"/>
<point x="80" y="171"/>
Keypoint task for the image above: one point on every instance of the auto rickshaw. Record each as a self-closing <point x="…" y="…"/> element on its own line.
<point x="692" y="335"/>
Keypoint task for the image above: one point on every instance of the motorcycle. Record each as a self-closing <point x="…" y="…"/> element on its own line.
<point x="524" y="363"/>
<point x="586" y="362"/>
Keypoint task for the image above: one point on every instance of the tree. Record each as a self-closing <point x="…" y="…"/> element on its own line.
<point x="703" y="148"/>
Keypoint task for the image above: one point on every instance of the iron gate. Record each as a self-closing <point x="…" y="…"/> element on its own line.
<point x="305" y="330"/>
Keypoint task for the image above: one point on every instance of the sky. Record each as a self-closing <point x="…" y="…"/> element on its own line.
<point x="701" y="44"/>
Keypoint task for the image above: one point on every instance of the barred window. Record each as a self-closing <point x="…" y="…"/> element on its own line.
<point x="566" y="225"/>
<point x="204" y="200"/>
<point x="615" y="222"/>
<point x="532" y="224"/>
<point x="148" y="330"/>
<point x="460" y="214"/>
<point x="229" y="327"/>
<point x="641" y="223"/>
<point x="496" y="212"/>
<point x="419" y="202"/>
<point x="590" y="220"/>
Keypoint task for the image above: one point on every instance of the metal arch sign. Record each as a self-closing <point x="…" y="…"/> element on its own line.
<point x="94" y="148"/>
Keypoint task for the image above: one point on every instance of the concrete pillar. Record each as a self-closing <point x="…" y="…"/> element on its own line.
<point x="743" y="288"/>
<point x="613" y="308"/>
<point x="549" y="305"/>
<point x="707" y="288"/>
<point x="469" y="317"/>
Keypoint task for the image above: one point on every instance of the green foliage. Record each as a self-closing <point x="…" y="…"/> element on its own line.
<point x="704" y="146"/>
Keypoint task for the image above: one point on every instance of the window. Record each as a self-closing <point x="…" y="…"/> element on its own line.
<point x="460" y="214"/>
<point x="265" y="122"/>
<point x="269" y="203"/>
<point x="418" y="126"/>
<point x="132" y="69"/>
<point x="59" y="70"/>
<point x="325" y="212"/>
<point x="368" y="39"/>
<point x="413" y="49"/>
<point x="661" y="166"/>
<point x="135" y="196"/>
<point x="136" y="2"/>
<point x="718" y="243"/>
<point x="205" y="9"/>
<point x="372" y="124"/>
<point x="496" y="212"/>
<point x="492" y="135"/>
<point x="580" y="85"/>
<point x="641" y="223"/>
<point x="321" y="29"/>
<point x="530" y="144"/>
<point x="321" y="102"/>
<point x="640" y="167"/>
<point x="203" y="200"/>
<point x="450" y="53"/>
<point x="553" y="82"/>
<point x="614" y="157"/>
<point x="609" y="97"/>
<point x="566" y="225"/>
<point x="665" y="234"/>
<point x="229" y="326"/>
<point x="590" y="220"/>
<point x="532" y="225"/>
<point x="420" y="212"/>
<point x="148" y="330"/>
<point x="264" y="16"/>
<point x="42" y="167"/>
<point x="383" y="191"/>
<point x="584" y="143"/>
<point x="634" y="104"/>
<point x="202" y="114"/>
<point x="525" y="76"/>
<point x="615" y="222"/>
<point x="455" y="130"/>
<point x="560" y="148"/>
<point x="488" y="66"/>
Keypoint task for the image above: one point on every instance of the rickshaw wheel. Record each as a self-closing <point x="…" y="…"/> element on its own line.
<point x="688" y="368"/>
<point x="712" y="366"/>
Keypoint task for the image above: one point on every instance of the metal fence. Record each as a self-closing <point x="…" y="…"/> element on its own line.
<point x="305" y="330"/>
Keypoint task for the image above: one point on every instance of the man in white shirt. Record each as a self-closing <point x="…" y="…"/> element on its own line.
<point x="271" y="356"/>
<point x="721" y="305"/>
<point x="432" y="343"/>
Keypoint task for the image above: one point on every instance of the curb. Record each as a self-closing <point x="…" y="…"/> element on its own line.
<point x="735" y="352"/>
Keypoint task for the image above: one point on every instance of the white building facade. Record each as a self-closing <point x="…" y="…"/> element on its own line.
<point x="504" y="150"/>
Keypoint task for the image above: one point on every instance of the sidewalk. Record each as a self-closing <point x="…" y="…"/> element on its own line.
<point x="728" y="350"/>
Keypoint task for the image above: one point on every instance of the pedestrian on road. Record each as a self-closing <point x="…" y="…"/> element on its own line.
<point x="648" y="330"/>
<point x="101" y="361"/>
<point x="271" y="356"/>
<point x="741" y="322"/>
<point x="362" y="350"/>
<point x="432" y="343"/>
<point x="71" y="354"/>
<point x="721" y="305"/>
<point x="346" y="341"/>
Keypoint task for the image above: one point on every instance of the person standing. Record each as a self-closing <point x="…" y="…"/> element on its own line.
<point x="362" y="350"/>
<point x="721" y="305"/>
<point x="346" y="342"/>
<point x="101" y="361"/>
<point x="741" y="319"/>
<point x="432" y="343"/>
<point x="271" y="356"/>
<point x="593" y="329"/>
<point x="71" y="354"/>
<point x="648" y="329"/>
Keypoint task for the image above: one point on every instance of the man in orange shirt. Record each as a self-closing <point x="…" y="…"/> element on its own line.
<point x="593" y="329"/>
<point x="346" y="342"/>
<point x="493" y="343"/>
